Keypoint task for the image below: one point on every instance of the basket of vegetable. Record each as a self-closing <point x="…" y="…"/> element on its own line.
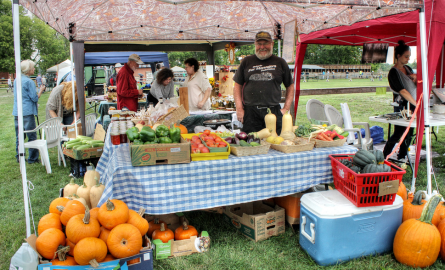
<point x="296" y="145"/>
<point x="248" y="144"/>
<point x="327" y="136"/>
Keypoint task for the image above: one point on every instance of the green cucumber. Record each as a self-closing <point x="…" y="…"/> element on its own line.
<point x="97" y="145"/>
<point x="345" y="134"/>
<point x="69" y="146"/>
<point x="255" y="144"/>
<point x="74" y="140"/>
<point x="83" y="147"/>
<point x="94" y="141"/>
<point x="80" y="145"/>
<point x="243" y="143"/>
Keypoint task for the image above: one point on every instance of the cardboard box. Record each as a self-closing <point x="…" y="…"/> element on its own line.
<point x="157" y="154"/>
<point x="99" y="134"/>
<point x="71" y="131"/>
<point x="145" y="258"/>
<point x="256" y="220"/>
<point x="178" y="248"/>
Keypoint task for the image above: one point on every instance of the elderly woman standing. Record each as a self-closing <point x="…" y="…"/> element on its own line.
<point x="30" y="98"/>
<point x="60" y="103"/>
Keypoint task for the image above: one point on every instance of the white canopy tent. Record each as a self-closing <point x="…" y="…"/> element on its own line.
<point x="56" y="68"/>
<point x="100" y="22"/>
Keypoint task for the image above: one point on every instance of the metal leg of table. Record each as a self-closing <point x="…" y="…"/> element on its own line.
<point x="326" y="186"/>
<point x="389" y="131"/>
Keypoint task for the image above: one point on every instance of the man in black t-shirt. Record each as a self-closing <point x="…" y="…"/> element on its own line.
<point x="258" y="86"/>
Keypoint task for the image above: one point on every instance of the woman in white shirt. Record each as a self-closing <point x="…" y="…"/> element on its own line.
<point x="199" y="88"/>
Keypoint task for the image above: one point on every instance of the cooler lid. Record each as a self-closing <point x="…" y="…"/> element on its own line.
<point x="332" y="203"/>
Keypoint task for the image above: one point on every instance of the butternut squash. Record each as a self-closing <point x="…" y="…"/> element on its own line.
<point x="96" y="192"/>
<point x="271" y="122"/>
<point x="84" y="192"/>
<point x="88" y="179"/>
<point x="287" y="122"/>
<point x="264" y="133"/>
<point x="70" y="188"/>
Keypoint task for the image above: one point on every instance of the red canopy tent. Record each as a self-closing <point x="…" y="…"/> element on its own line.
<point x="390" y="29"/>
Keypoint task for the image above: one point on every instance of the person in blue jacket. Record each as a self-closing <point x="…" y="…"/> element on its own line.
<point x="30" y="98"/>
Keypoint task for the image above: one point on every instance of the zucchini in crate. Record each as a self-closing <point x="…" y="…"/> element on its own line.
<point x="363" y="158"/>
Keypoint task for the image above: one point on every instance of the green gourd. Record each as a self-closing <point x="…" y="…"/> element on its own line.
<point x="355" y="169"/>
<point x="363" y="158"/>
<point x="374" y="168"/>
<point x="378" y="156"/>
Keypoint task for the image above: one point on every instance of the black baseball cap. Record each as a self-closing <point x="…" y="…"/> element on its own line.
<point x="263" y="35"/>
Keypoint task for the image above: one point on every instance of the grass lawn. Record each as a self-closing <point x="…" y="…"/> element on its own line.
<point x="342" y="83"/>
<point x="230" y="250"/>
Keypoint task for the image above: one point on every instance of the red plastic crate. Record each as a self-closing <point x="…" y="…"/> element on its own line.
<point x="363" y="189"/>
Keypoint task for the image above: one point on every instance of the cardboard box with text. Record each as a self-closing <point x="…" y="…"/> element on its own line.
<point x="99" y="134"/>
<point x="157" y="154"/>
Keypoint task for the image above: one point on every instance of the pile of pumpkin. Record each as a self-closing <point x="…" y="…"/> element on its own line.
<point x="421" y="237"/>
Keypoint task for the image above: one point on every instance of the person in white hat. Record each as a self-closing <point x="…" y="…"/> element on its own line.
<point x="127" y="92"/>
<point x="112" y="79"/>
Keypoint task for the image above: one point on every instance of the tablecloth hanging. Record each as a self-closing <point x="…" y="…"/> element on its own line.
<point x="166" y="189"/>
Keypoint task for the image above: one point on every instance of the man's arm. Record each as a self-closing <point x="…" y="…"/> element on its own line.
<point x="238" y="101"/>
<point x="206" y="97"/>
<point x="289" y="97"/>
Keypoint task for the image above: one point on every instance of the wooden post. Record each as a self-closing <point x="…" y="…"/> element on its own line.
<point x="184" y="97"/>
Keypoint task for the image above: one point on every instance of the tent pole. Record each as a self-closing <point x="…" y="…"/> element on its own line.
<point x="279" y="48"/>
<point x="426" y="98"/>
<point x="73" y="89"/>
<point x="18" y="83"/>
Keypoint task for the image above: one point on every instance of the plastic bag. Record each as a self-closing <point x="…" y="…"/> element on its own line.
<point x="200" y="129"/>
<point x="376" y="134"/>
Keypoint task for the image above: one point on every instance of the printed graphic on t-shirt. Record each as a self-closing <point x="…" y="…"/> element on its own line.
<point x="264" y="75"/>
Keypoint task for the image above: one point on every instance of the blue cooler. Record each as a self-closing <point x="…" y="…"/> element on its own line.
<point x="333" y="230"/>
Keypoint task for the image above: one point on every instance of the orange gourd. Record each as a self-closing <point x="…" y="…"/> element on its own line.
<point x="185" y="232"/>
<point x="124" y="240"/>
<point x="413" y="209"/>
<point x="181" y="127"/>
<point x="441" y="229"/>
<point x="439" y="214"/>
<point x="163" y="234"/>
<point x="49" y="241"/>
<point x="104" y="234"/>
<point x="50" y="220"/>
<point x="62" y="258"/>
<point x="113" y="213"/>
<point x="109" y="258"/>
<point x="82" y="226"/>
<point x="94" y="213"/>
<point x="417" y="242"/>
<point x="71" y="209"/>
<point x="402" y="192"/>
<point x="71" y="245"/>
<point x="136" y="219"/>
<point x="154" y="225"/>
<point x="56" y="202"/>
<point x="91" y="251"/>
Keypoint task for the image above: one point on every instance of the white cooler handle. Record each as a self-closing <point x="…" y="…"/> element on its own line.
<point x="303" y="232"/>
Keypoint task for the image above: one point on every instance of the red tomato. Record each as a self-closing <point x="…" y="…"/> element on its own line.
<point x="205" y="150"/>
<point x="206" y="132"/>
<point x="222" y="144"/>
<point x="196" y="151"/>
<point x="218" y="139"/>
<point x="195" y="138"/>
<point x="201" y="145"/>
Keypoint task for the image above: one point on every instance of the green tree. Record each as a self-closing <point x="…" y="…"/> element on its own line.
<point x="332" y="54"/>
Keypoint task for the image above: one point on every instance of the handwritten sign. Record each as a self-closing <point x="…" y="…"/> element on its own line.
<point x="389" y="187"/>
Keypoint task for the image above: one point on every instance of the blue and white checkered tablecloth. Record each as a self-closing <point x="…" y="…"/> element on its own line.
<point x="164" y="189"/>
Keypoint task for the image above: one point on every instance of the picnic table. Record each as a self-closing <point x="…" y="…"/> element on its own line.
<point x="163" y="189"/>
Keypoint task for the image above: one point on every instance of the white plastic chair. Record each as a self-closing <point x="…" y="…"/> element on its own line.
<point x="335" y="117"/>
<point x="90" y="121"/>
<point x="315" y="110"/>
<point x="50" y="138"/>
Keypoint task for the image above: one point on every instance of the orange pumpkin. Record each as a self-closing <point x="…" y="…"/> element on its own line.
<point x="50" y="220"/>
<point x="439" y="214"/>
<point x="130" y="262"/>
<point x="104" y="234"/>
<point x="71" y="209"/>
<point x="138" y="221"/>
<point x="56" y="202"/>
<point x="154" y="225"/>
<point x="417" y="242"/>
<point x="413" y="209"/>
<point x="441" y="229"/>
<point x="82" y="226"/>
<point x="402" y="192"/>
<point x="124" y="240"/>
<point x="109" y="258"/>
<point x="113" y="213"/>
<point x="163" y="234"/>
<point x="49" y="241"/>
<point x="94" y="213"/>
<point x="185" y="232"/>
<point x="91" y="251"/>
<point x="62" y="259"/>
<point x="71" y="245"/>
<point x="182" y="128"/>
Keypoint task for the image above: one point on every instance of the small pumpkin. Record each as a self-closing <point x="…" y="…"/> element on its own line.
<point x="154" y="225"/>
<point x="104" y="234"/>
<point x="71" y="245"/>
<point x="84" y="192"/>
<point x="402" y="192"/>
<point x="57" y="202"/>
<point x="417" y="242"/>
<point x="439" y="214"/>
<point x="113" y="213"/>
<point x="76" y="197"/>
<point x="90" y="176"/>
<point x="70" y="188"/>
<point x="363" y="158"/>
<point x="62" y="258"/>
<point x="82" y="226"/>
<point x="50" y="220"/>
<point x="71" y="209"/>
<point x="181" y="127"/>
<point x="124" y="240"/>
<point x="94" y="213"/>
<point x="441" y="229"/>
<point x="91" y="251"/>
<point x="413" y="209"/>
<point x="49" y="241"/>
<point x="163" y="234"/>
<point x="185" y="232"/>
<point x="96" y="192"/>
<point x="109" y="258"/>
<point x="136" y="219"/>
